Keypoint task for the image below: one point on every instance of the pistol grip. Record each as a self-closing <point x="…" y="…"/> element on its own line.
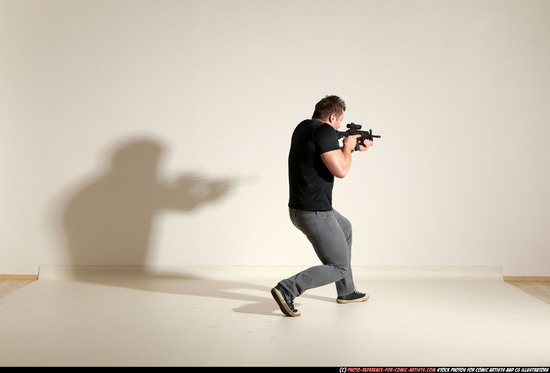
<point x="359" y="142"/>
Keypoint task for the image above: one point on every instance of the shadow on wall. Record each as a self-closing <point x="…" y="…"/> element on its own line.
<point x="109" y="220"/>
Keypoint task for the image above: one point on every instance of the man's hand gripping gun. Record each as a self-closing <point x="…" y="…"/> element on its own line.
<point x="354" y="129"/>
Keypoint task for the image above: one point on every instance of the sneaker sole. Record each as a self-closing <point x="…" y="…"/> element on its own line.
<point x="343" y="301"/>
<point x="282" y="304"/>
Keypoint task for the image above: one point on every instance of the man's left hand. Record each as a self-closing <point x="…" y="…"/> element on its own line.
<point x="366" y="144"/>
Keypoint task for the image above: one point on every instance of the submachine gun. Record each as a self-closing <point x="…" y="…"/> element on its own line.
<point x="354" y="129"/>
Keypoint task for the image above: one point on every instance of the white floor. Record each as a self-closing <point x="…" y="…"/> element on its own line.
<point x="225" y="316"/>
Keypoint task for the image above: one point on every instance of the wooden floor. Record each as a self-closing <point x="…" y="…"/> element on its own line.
<point x="538" y="289"/>
<point x="8" y="286"/>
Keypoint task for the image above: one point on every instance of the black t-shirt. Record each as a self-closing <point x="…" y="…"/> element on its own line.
<point x="310" y="181"/>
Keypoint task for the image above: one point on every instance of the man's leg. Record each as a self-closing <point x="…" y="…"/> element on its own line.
<point x="345" y="286"/>
<point x="329" y="241"/>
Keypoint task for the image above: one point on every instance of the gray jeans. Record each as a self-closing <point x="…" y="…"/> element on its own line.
<point x="330" y="234"/>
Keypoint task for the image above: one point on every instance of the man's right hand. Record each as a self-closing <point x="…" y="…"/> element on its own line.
<point x="349" y="143"/>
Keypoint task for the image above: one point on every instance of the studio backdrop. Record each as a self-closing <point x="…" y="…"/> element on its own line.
<point x="151" y="132"/>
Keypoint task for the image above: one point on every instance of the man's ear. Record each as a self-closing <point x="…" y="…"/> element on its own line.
<point x="332" y="118"/>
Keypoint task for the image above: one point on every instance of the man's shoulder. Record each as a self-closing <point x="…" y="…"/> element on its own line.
<point x="314" y="125"/>
<point x="308" y="123"/>
<point x="313" y="122"/>
<point x="318" y="132"/>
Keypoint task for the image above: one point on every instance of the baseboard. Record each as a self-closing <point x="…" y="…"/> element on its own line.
<point x="527" y="278"/>
<point x="505" y="278"/>
<point x="366" y="273"/>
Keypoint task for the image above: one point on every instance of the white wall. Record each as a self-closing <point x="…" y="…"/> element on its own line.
<point x="114" y="112"/>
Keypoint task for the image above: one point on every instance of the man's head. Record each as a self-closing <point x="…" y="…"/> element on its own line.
<point x="330" y="110"/>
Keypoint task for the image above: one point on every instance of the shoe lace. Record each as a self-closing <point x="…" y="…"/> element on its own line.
<point x="291" y="304"/>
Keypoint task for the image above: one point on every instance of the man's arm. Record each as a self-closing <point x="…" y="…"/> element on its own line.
<point x="338" y="161"/>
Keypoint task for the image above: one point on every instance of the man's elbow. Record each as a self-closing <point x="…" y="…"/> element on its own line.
<point x="337" y="163"/>
<point x="340" y="174"/>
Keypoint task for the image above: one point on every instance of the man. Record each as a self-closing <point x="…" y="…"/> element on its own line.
<point x="314" y="160"/>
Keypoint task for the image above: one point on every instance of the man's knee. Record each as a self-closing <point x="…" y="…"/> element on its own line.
<point x="342" y="270"/>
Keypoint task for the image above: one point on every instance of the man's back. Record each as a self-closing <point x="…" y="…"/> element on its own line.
<point x="310" y="181"/>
